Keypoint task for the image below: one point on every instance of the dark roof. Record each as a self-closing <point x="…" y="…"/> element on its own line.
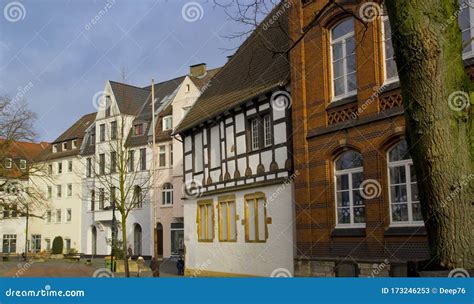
<point x="259" y="65"/>
<point x="129" y="98"/>
<point x="19" y="150"/>
<point x="201" y="82"/>
<point x="76" y="131"/>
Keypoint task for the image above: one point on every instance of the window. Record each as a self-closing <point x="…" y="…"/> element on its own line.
<point x="143" y="159"/>
<point x="50" y="169"/>
<point x="404" y="201"/>
<point x="69" y="190"/>
<point x="113" y="162"/>
<point x="215" y="147"/>
<point x="188" y="88"/>
<point x="9" y="243"/>
<point x="113" y="196"/>
<point x="48" y="216"/>
<point x="108" y="104"/>
<point x="162" y="156"/>
<point x="343" y="59"/>
<point x="68" y="215"/>
<point x="92" y="200"/>
<point x="260" y="132"/>
<point x="177" y="239"/>
<point x="68" y="244"/>
<point x="22" y="164"/>
<point x="167" y="122"/>
<point x="113" y="130"/>
<point x="58" y="215"/>
<point x="60" y="167"/>
<point x="137" y="197"/>
<point x="350" y="207"/>
<point x="50" y="192"/>
<point x="131" y="161"/>
<point x="92" y="142"/>
<point x="198" y="157"/>
<point x="89" y="167"/>
<point x="185" y="110"/>
<point x="467" y="26"/>
<point x="55" y="148"/>
<point x="227" y="219"/>
<point x="69" y="166"/>
<point x="59" y="191"/>
<point x="171" y="154"/>
<point x="74" y="144"/>
<point x="6" y="213"/>
<point x="255" y="218"/>
<point x="48" y="244"/>
<point x="36" y="242"/>
<point x="102" y="163"/>
<point x="167" y="194"/>
<point x="101" y="198"/>
<point x="138" y="129"/>
<point x="8" y="163"/>
<point x="205" y="221"/>
<point x="64" y="146"/>
<point x="390" y="67"/>
<point x="102" y="132"/>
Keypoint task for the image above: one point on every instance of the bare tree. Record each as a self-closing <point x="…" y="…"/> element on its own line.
<point x="124" y="183"/>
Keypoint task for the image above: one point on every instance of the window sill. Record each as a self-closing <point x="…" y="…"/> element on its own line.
<point x="348" y="232"/>
<point x="405" y="231"/>
<point x="166" y="206"/>
<point x="342" y="101"/>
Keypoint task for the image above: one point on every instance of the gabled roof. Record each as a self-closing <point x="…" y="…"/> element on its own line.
<point x="259" y="65"/>
<point x="19" y="150"/>
<point x="201" y="82"/>
<point x="129" y="98"/>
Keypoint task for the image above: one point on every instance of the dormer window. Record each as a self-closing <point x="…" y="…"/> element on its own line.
<point x="138" y="129"/>
<point x="55" y="148"/>
<point x="8" y="163"/>
<point x="108" y="104"/>
<point x="22" y="164"/>
<point x="167" y="122"/>
<point x="65" y="146"/>
<point x="74" y="144"/>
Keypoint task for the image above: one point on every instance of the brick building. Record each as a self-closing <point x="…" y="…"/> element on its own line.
<point x="357" y="208"/>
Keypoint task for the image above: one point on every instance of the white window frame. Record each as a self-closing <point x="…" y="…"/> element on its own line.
<point x="58" y="219"/>
<point x="406" y="163"/>
<point x="162" y="152"/>
<point x="59" y="191"/>
<point x="69" y="166"/>
<point x="22" y="164"/>
<point x="469" y="54"/>
<point x="69" y="190"/>
<point x="168" y="122"/>
<point x="55" y="148"/>
<point x="165" y="193"/>
<point x="344" y="73"/>
<point x="267" y="131"/>
<point x="254" y="134"/>
<point x="68" y="215"/>
<point x="349" y="172"/>
<point x="8" y="163"/>
<point x="393" y="79"/>
<point x="64" y="146"/>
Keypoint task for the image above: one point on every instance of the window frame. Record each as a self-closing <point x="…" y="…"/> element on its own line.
<point x="68" y="215"/>
<point x="143" y="159"/>
<point x="102" y="132"/>
<point x="350" y="172"/>
<point x="468" y="54"/>
<point x="206" y="203"/>
<point x="164" y="192"/>
<point x="406" y="163"/>
<point x="344" y="56"/>
<point x="69" y="190"/>
<point x="263" y="134"/>
<point x="168" y="119"/>
<point x="23" y="164"/>
<point x="8" y="163"/>
<point x="113" y="130"/>
<point x="255" y="197"/>
<point x="69" y="166"/>
<point x="162" y="155"/>
<point x="228" y="200"/>
<point x="387" y="80"/>
<point x="58" y="216"/>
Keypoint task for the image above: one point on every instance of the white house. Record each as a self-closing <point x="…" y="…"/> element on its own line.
<point x="238" y="210"/>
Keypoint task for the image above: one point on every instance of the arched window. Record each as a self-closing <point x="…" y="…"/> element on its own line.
<point x="137" y="240"/>
<point x="350" y="208"/>
<point x="404" y="202"/>
<point x="137" y="197"/>
<point x="167" y="194"/>
<point x="344" y="78"/>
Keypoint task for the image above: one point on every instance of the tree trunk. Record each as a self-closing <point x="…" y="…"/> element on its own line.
<point x="124" y="245"/>
<point x="437" y="98"/>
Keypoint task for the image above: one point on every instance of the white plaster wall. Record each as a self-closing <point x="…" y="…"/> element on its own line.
<point x="259" y="259"/>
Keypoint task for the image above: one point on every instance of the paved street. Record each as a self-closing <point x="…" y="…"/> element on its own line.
<point x="71" y="269"/>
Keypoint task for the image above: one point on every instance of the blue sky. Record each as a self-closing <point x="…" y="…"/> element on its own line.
<point x="52" y="47"/>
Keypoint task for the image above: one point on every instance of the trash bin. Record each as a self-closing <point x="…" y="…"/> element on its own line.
<point x="108" y="264"/>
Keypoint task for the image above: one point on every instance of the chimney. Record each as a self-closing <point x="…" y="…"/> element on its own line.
<point x="229" y="57"/>
<point x="198" y="70"/>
